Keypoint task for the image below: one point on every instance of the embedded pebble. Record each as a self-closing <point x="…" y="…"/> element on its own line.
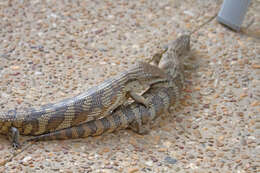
<point x="132" y="170"/>
<point x="170" y="160"/>
<point x="149" y="163"/>
<point x="26" y="159"/>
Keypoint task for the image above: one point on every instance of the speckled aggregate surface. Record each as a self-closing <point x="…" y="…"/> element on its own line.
<point x="51" y="50"/>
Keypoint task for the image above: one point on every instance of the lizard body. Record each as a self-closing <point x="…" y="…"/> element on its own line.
<point x="136" y="116"/>
<point x="96" y="102"/>
<point x="120" y="119"/>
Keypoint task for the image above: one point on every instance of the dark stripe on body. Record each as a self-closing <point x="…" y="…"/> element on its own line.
<point x="96" y="100"/>
<point x="92" y="126"/>
<point x="79" y="114"/>
<point x="106" y="124"/>
<point x="56" y="119"/>
<point x="32" y="119"/>
<point x="129" y="114"/>
<point x="80" y="131"/>
<point x="117" y="120"/>
<point x="144" y="113"/>
<point x="157" y="103"/>
<point x="68" y="133"/>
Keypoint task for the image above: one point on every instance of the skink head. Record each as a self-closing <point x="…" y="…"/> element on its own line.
<point x="178" y="48"/>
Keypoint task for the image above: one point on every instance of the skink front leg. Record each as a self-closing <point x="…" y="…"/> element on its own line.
<point x="14" y="137"/>
<point x="139" y="99"/>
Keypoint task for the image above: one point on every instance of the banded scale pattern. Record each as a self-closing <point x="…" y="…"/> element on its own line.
<point x="160" y="99"/>
<point x="97" y="102"/>
<point x="160" y="96"/>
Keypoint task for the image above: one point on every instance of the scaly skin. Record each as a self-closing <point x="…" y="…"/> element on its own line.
<point x="97" y="102"/>
<point x="136" y="116"/>
<point x="122" y="118"/>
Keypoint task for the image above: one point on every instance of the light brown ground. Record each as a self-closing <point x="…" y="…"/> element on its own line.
<point x="50" y="50"/>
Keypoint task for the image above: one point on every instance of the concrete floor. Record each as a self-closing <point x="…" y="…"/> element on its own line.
<point x="51" y="50"/>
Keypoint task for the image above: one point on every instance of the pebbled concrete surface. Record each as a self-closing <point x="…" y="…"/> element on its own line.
<point x="51" y="50"/>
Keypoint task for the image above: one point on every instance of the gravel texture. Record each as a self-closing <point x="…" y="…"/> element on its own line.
<point x="51" y="50"/>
